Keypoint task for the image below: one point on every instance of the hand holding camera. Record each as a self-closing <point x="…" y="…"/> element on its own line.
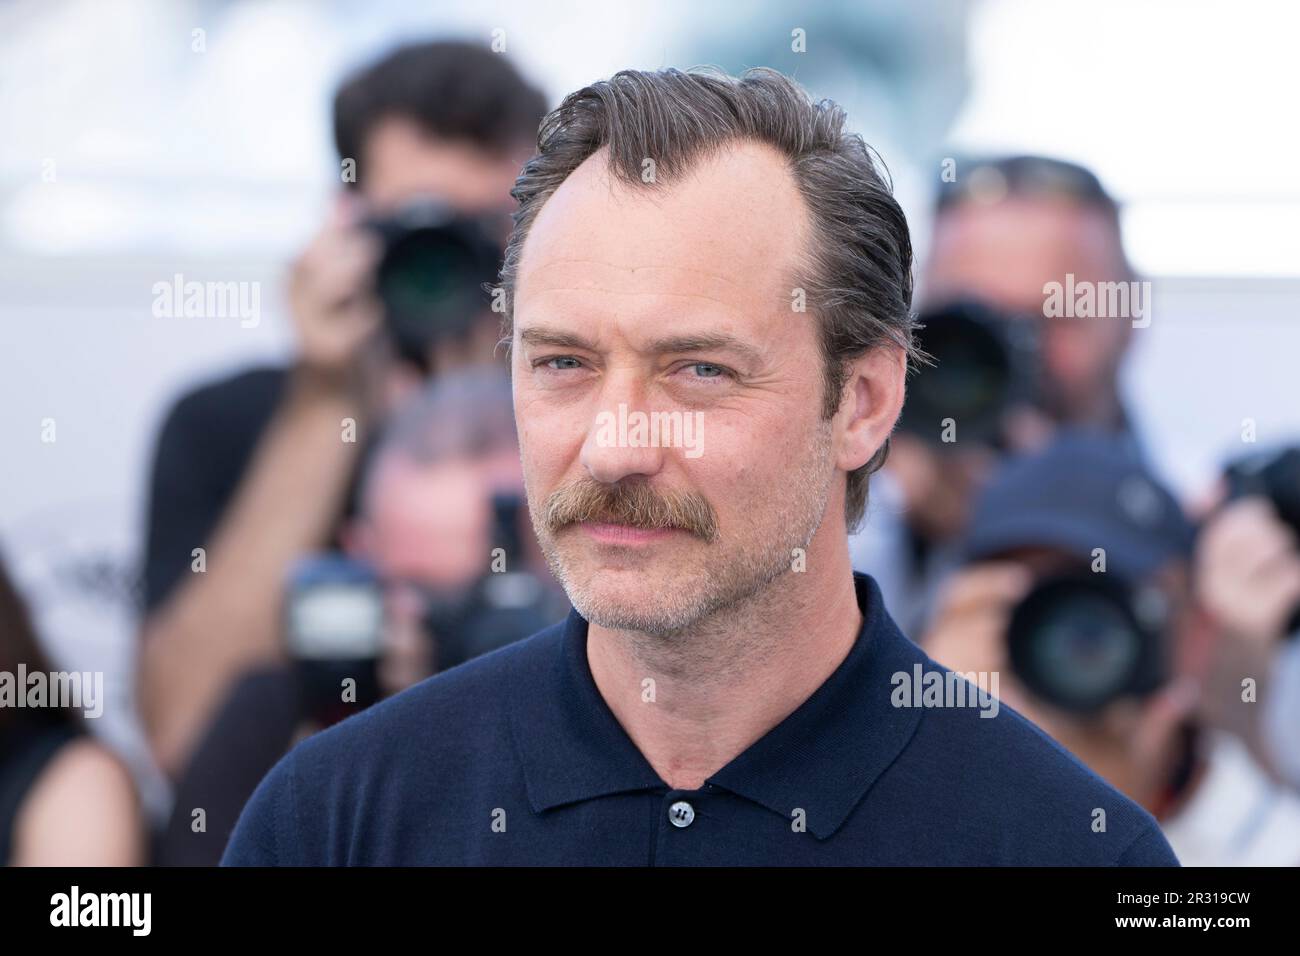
<point x="1248" y="554"/>
<point x="331" y="295"/>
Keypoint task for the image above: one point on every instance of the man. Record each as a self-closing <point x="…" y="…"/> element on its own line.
<point x="1004" y="229"/>
<point x="1086" y="511"/>
<point x="721" y="250"/>
<point x="253" y="469"/>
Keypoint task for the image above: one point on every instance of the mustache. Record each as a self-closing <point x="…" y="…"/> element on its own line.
<point x="632" y="503"/>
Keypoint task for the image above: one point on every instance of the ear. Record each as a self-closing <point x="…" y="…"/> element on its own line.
<point x="869" y="407"/>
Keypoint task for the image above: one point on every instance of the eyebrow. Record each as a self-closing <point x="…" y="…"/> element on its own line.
<point x="700" y="342"/>
<point x="540" y="335"/>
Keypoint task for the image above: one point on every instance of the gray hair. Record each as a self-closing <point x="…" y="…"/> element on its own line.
<point x="465" y="414"/>
<point x="859" y="279"/>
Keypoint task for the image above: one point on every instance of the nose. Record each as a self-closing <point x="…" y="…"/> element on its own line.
<point x="620" y="440"/>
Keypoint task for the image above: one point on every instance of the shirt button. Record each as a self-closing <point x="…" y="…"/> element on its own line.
<point x="681" y="814"/>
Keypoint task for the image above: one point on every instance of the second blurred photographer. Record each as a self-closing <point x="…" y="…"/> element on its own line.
<point x="1079" y="593"/>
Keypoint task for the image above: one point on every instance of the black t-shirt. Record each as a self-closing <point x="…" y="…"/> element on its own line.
<point x="204" y="448"/>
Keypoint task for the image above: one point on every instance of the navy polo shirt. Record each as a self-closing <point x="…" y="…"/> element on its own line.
<point x="515" y="758"/>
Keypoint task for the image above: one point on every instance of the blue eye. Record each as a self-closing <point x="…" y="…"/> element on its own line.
<point x="563" y="358"/>
<point x="710" y="371"/>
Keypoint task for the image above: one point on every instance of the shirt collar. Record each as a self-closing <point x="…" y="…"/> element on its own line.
<point x="822" y="758"/>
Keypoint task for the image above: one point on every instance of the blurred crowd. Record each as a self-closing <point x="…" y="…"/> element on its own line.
<point x="323" y="534"/>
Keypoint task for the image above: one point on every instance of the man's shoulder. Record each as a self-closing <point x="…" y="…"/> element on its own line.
<point x="411" y="756"/>
<point x="464" y="708"/>
<point x="1006" y="770"/>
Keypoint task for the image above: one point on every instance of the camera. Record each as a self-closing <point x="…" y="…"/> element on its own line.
<point x="985" y="362"/>
<point x="501" y="607"/>
<point x="1274" y="475"/>
<point x="334" y="630"/>
<point x="433" y="270"/>
<point x="1080" y="641"/>
<point x="334" y="619"/>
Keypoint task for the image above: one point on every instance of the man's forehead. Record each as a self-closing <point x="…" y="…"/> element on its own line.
<point x="731" y="227"/>
<point x="667" y="277"/>
<point x="1030" y="241"/>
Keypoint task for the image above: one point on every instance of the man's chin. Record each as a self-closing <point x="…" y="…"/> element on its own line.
<point x="635" y="585"/>
<point x="629" y="598"/>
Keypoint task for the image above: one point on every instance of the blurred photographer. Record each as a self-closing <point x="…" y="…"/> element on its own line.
<point x="1248" y="578"/>
<point x="1004" y="376"/>
<point x="438" y="567"/>
<point x="440" y="543"/>
<point x="253" y="469"/>
<point x="1079" y="596"/>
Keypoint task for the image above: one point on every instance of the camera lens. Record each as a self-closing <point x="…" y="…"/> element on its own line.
<point x="431" y="276"/>
<point x="1079" y="644"/>
<point x="428" y="277"/>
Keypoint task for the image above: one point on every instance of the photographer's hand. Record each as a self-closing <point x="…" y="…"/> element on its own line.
<point x="1247" y="569"/>
<point x="332" y="303"/>
<point x="968" y="632"/>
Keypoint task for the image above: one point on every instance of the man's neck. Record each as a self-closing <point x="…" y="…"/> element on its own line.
<point x="693" y="702"/>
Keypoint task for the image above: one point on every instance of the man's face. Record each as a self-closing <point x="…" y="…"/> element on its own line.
<point x="670" y="300"/>
<point x="413" y="510"/>
<point x="426" y="528"/>
<point x="1004" y="253"/>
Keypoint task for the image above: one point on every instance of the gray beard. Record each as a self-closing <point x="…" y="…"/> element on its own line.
<point x="735" y="584"/>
